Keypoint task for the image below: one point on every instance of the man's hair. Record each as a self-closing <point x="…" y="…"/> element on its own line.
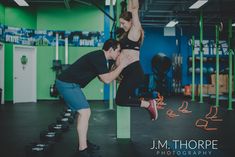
<point x="110" y="43"/>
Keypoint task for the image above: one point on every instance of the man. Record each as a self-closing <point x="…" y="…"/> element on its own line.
<point x="78" y="75"/>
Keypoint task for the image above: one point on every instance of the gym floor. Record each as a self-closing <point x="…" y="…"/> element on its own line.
<point x="21" y="124"/>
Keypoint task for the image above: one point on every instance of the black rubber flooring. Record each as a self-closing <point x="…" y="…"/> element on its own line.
<point x="22" y="123"/>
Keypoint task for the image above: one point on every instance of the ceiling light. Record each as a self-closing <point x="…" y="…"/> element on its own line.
<point x="107" y="2"/>
<point x="172" y="23"/>
<point x="198" y="4"/>
<point x="233" y="24"/>
<point x="21" y="3"/>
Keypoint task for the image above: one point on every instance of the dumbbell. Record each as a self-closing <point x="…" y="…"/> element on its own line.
<point x="62" y="119"/>
<point x="190" y="70"/>
<point x="210" y="70"/>
<point x="204" y="59"/>
<point x="63" y="127"/>
<point x="68" y="114"/>
<point x="50" y="136"/>
<point x="39" y="149"/>
<point x="197" y="58"/>
<point x="204" y="70"/>
<point x="67" y="110"/>
<point x="190" y="59"/>
<point x="197" y="70"/>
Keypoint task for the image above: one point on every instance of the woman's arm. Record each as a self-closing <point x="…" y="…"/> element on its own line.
<point x="133" y="7"/>
<point x="136" y="29"/>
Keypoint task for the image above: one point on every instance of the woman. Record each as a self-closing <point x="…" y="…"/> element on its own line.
<point x="133" y="74"/>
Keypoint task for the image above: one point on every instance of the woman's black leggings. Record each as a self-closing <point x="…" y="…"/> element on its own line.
<point x="133" y="77"/>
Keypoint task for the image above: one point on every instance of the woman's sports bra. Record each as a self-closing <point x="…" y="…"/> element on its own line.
<point x="129" y="44"/>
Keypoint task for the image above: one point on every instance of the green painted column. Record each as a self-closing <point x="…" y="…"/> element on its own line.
<point x="230" y="65"/>
<point x="111" y="96"/>
<point x="233" y="50"/>
<point x="123" y="122"/>
<point x="217" y="64"/>
<point x="123" y="114"/>
<point x="201" y="58"/>
<point x="111" y="86"/>
<point x="193" y="68"/>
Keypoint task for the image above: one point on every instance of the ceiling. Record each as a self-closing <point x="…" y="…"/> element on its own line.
<point x="43" y="3"/>
<point x="160" y="12"/>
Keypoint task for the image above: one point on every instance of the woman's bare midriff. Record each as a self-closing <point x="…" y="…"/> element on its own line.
<point x="134" y="54"/>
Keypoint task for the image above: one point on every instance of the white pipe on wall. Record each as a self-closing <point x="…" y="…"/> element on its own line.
<point x="57" y="47"/>
<point x="66" y="50"/>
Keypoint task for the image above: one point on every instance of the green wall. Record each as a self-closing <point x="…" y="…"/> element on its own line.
<point x="2" y="14"/>
<point x="78" y="18"/>
<point x="86" y="18"/>
<point x="8" y="72"/>
<point x="93" y="90"/>
<point x="45" y="55"/>
<point x="18" y="17"/>
<point x="15" y="17"/>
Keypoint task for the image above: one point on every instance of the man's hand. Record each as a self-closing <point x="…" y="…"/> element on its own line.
<point x="123" y="60"/>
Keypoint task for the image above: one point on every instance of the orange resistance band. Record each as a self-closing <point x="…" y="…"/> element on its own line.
<point x="203" y="124"/>
<point x="159" y="101"/>
<point x="171" y="114"/>
<point x="183" y="107"/>
<point x="213" y="116"/>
